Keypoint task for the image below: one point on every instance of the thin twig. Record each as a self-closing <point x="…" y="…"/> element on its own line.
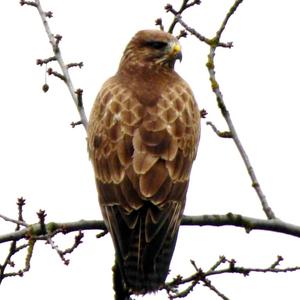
<point x="74" y="124"/>
<point x="220" y="261"/>
<point x="61" y="253"/>
<point x="72" y="65"/>
<point x="7" y="219"/>
<point x="185" y="5"/>
<point x="8" y="261"/>
<point x="50" y="71"/>
<point x="276" y="262"/>
<point x="230" y="267"/>
<point x="199" y="276"/>
<point x="246" y="271"/>
<point x="201" y="37"/>
<point x="208" y="284"/>
<point x="30" y="3"/>
<point x="54" y="40"/>
<point x="41" y="62"/>
<point x="159" y="23"/>
<point x="222" y="134"/>
<point x="58" y="251"/>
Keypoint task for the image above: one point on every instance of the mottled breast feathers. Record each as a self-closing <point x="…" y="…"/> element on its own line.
<point x="142" y="138"/>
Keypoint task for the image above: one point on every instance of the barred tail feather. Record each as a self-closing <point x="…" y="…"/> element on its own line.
<point x="146" y="264"/>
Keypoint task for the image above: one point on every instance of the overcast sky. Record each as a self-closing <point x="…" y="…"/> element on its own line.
<point x="44" y="160"/>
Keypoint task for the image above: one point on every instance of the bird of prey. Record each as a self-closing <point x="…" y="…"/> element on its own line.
<point x="143" y="136"/>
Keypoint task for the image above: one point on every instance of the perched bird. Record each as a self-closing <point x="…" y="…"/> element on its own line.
<point x="143" y="136"/>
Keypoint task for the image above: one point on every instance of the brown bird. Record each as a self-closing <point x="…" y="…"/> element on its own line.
<point x="143" y="136"/>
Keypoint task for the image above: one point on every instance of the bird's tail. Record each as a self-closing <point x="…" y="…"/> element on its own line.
<point x="146" y="265"/>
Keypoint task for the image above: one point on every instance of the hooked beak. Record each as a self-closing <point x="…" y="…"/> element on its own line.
<point x="171" y="54"/>
<point x="175" y="52"/>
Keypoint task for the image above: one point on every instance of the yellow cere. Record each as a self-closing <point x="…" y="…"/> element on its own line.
<point x="176" y="48"/>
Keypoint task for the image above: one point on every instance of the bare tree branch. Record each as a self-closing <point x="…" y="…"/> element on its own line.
<point x="14" y="249"/>
<point x="231" y="267"/>
<point x="21" y="223"/>
<point x="214" y="43"/>
<point x="230" y="219"/>
<point x="52" y="228"/>
<point x="201" y="37"/>
<point x="219" y="96"/>
<point x="222" y="134"/>
<point x="61" y="253"/>
<point x="185" y="5"/>
<point x="248" y="223"/>
<point x="65" y="76"/>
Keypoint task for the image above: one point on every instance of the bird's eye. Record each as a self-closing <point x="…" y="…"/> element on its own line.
<point x="156" y="44"/>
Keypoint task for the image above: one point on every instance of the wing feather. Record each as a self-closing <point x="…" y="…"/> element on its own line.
<point x="142" y="156"/>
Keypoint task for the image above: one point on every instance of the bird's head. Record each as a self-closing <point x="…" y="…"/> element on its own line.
<point x="150" y="48"/>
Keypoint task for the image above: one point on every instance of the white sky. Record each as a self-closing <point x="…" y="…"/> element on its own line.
<point x="44" y="160"/>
